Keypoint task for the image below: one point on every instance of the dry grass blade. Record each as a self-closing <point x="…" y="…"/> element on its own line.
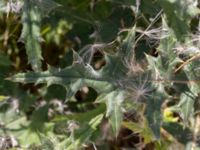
<point x="187" y="61"/>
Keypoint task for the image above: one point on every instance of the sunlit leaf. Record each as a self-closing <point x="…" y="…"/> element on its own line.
<point x="143" y="130"/>
<point x="179" y="14"/>
<point x="82" y="135"/>
<point x="31" y="19"/>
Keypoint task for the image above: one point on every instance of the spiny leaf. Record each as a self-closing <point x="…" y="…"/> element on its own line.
<point x="81" y="117"/>
<point x="113" y="102"/>
<point x="31" y="19"/>
<point x="153" y="113"/>
<point x="116" y="118"/>
<point x="179" y="14"/>
<point x="191" y="71"/>
<point x="128" y="44"/>
<point x="72" y="78"/>
<point x="185" y="107"/>
<point x="88" y="121"/>
<point x="114" y="67"/>
<point x="164" y="65"/>
<point x="82" y="135"/>
<point x="142" y="129"/>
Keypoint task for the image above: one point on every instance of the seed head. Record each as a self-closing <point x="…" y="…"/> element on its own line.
<point x="140" y="89"/>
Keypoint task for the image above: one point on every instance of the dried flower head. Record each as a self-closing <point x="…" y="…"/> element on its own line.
<point x="140" y="88"/>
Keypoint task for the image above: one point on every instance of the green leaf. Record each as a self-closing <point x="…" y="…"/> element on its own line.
<point x="185" y="107"/>
<point x="38" y="118"/>
<point x="16" y="124"/>
<point x="81" y="117"/>
<point x="167" y="60"/>
<point x="192" y="73"/>
<point x="181" y="133"/>
<point x="151" y="8"/>
<point x="168" y="42"/>
<point x="31" y="19"/>
<point x="45" y="6"/>
<point x="83" y="135"/>
<point x="4" y="60"/>
<point x="88" y="123"/>
<point x="113" y="102"/>
<point x="153" y="112"/>
<point x="55" y="91"/>
<point x="163" y="66"/>
<point x="72" y="78"/>
<point x="179" y="14"/>
<point x="114" y="67"/>
<point x="126" y="49"/>
<point x="116" y="118"/>
<point x="142" y="129"/>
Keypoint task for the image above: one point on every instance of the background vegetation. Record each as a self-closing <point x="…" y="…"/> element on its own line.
<point x="99" y="74"/>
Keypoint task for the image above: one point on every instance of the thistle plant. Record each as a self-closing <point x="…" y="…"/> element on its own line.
<point x="149" y="71"/>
